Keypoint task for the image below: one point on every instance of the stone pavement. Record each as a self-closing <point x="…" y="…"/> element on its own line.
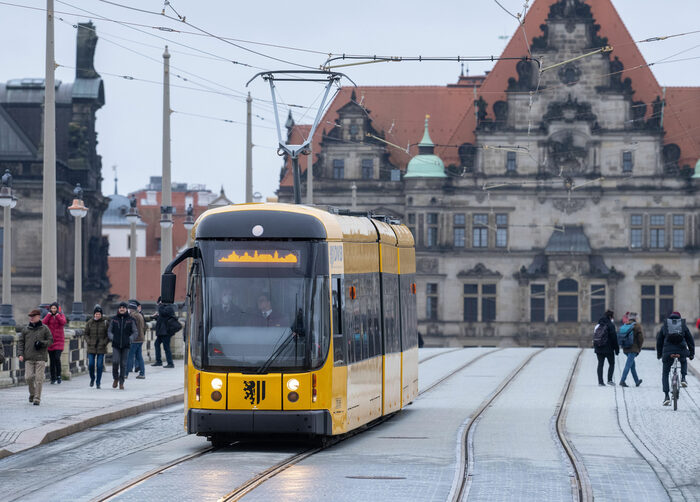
<point x="74" y="406"/>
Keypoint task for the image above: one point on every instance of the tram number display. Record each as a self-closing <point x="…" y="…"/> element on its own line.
<point x="256" y="258"/>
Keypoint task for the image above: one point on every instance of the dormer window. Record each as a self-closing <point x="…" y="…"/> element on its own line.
<point x="354" y="129"/>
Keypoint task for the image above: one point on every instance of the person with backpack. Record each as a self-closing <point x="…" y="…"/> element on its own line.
<point x="631" y="339"/>
<point x="166" y="326"/>
<point x="605" y="345"/>
<point x="674" y="337"/>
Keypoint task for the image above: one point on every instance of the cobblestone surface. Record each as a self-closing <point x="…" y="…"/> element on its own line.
<point x="410" y="457"/>
<point x="615" y="469"/>
<point x="516" y="456"/>
<point x="67" y="466"/>
<point x="667" y="439"/>
<point x="74" y="406"/>
<point x="632" y="447"/>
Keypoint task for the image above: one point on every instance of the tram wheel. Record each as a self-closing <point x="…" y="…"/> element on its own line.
<point x="218" y="441"/>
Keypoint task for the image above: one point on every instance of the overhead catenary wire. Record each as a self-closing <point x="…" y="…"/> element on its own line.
<point x="183" y="19"/>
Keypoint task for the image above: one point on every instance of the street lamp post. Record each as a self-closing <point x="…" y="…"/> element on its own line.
<point x="132" y="217"/>
<point x="189" y="224"/>
<point x="78" y="211"/>
<point x="8" y="201"/>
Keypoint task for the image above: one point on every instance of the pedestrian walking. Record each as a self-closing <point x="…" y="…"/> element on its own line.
<point x="32" y="347"/>
<point x="674" y="337"/>
<point x="55" y="320"/>
<point x="122" y="331"/>
<point x="96" y="339"/>
<point x="605" y="345"/>
<point x="166" y="326"/>
<point x="633" y="332"/>
<point x="135" y="357"/>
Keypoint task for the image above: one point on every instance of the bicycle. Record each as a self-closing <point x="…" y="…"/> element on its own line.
<point x="675" y="380"/>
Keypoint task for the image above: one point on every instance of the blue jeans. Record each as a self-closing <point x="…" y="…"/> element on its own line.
<point x="165" y="341"/>
<point x="100" y="366"/>
<point x="630" y="366"/>
<point x="135" y="356"/>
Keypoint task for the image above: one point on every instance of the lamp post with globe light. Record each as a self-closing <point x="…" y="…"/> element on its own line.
<point x="8" y="201"/>
<point x="189" y="224"/>
<point x="132" y="217"/>
<point x="78" y="211"/>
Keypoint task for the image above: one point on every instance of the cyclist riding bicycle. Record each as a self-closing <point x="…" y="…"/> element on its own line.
<point x="674" y="338"/>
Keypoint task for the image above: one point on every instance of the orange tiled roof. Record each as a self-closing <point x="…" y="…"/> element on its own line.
<point x="398" y="111"/>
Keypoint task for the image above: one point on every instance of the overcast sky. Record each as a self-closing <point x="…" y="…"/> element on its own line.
<point x="207" y="150"/>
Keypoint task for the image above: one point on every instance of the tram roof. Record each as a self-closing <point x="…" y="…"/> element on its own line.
<point x="289" y="221"/>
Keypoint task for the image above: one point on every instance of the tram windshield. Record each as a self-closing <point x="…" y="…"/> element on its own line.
<point x="265" y="305"/>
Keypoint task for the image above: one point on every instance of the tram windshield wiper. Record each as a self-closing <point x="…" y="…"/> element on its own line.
<point x="293" y="334"/>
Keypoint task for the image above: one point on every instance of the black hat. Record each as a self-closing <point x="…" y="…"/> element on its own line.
<point x="97" y="309"/>
<point x="132" y="305"/>
<point x="54" y="304"/>
<point x="123" y="304"/>
<point x="135" y="302"/>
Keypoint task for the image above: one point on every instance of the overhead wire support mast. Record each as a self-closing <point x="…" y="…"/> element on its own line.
<point x="304" y="76"/>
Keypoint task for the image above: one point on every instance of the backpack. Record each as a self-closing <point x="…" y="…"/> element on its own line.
<point x="173" y="326"/>
<point x="600" y="335"/>
<point x="674" y="331"/>
<point x="625" y="337"/>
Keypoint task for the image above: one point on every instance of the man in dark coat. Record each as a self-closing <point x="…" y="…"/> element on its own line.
<point x="96" y="340"/>
<point x="674" y="337"/>
<point x="32" y="349"/>
<point x="122" y="331"/>
<point x="166" y="326"/>
<point x="609" y="350"/>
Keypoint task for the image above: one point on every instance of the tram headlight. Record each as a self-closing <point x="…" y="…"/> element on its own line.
<point x="216" y="383"/>
<point x="216" y="395"/>
<point x="292" y="384"/>
<point x="293" y="397"/>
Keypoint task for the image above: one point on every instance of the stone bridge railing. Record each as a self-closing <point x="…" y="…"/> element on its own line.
<point x="74" y="356"/>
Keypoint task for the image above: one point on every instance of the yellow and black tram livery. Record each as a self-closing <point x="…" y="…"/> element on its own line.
<point x="301" y="321"/>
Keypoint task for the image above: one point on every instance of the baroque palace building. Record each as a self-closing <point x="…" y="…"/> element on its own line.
<point x="537" y="199"/>
<point x="77" y="161"/>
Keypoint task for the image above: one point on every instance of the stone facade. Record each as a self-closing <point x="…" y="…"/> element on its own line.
<point x="570" y="199"/>
<point x="21" y="143"/>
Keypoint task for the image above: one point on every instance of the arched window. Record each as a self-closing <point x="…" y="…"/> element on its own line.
<point x="567" y="296"/>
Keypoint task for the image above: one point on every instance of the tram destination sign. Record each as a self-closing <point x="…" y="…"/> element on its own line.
<point x="282" y="258"/>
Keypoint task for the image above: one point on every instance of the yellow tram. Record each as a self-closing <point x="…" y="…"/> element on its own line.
<point x="301" y="321"/>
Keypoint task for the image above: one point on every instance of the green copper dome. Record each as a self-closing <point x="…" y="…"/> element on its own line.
<point x="426" y="164"/>
<point x="697" y="170"/>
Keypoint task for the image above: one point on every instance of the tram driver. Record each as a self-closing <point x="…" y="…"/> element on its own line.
<point x="265" y="314"/>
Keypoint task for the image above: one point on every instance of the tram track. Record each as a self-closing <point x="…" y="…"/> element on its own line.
<point x="581" y="488"/>
<point x="261" y="478"/>
<point x="668" y="480"/>
<point x="283" y="465"/>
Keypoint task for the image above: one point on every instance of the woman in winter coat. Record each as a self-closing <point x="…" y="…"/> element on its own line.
<point x="96" y="340"/>
<point x="632" y="351"/>
<point x="55" y="320"/>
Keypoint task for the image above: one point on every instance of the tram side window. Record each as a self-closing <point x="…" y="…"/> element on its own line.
<point x="409" y="333"/>
<point x="349" y="317"/>
<point x="392" y="341"/>
<point x="196" y="319"/>
<point x="339" y="346"/>
<point x="374" y="314"/>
